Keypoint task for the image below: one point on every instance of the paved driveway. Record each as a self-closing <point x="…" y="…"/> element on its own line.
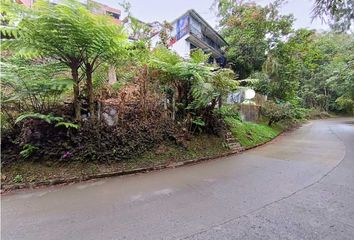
<point x="300" y="186"/>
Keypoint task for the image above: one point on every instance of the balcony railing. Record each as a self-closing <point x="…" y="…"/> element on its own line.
<point x="198" y="34"/>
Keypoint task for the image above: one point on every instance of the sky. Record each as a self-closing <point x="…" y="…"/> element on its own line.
<point x="159" y="10"/>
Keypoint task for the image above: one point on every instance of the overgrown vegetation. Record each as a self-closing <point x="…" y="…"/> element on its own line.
<point x="159" y="96"/>
<point x="58" y="103"/>
<point x="302" y="67"/>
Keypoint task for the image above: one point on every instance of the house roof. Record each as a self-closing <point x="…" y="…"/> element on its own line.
<point x="197" y="15"/>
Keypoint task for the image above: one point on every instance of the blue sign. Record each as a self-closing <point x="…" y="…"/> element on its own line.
<point x="182" y="27"/>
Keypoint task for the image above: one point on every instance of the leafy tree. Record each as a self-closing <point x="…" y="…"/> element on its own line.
<point x="329" y="75"/>
<point x="54" y="31"/>
<point x="29" y="86"/>
<point x="107" y="44"/>
<point x="285" y="65"/>
<point x="137" y="29"/>
<point x="340" y="13"/>
<point x="251" y="31"/>
<point x="312" y="69"/>
<point x="194" y="84"/>
<point x="72" y="35"/>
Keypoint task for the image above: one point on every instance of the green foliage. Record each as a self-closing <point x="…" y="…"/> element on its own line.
<point x="138" y="30"/>
<point x="251" y="31"/>
<point x="205" y="83"/>
<point x="28" y="150"/>
<point x="199" y="123"/>
<point x="345" y="104"/>
<point x="339" y="12"/>
<point x="228" y="111"/>
<point x="28" y="86"/>
<point x="276" y="112"/>
<point x="198" y="56"/>
<point x="260" y="82"/>
<point x="117" y="85"/>
<point x="250" y="134"/>
<point x="67" y="125"/>
<point x="71" y="34"/>
<point x="311" y="69"/>
<point x="285" y="65"/>
<point x="49" y="118"/>
<point x="328" y="72"/>
<point x="18" y="179"/>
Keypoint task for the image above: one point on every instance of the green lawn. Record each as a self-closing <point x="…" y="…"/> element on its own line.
<point x="251" y="134"/>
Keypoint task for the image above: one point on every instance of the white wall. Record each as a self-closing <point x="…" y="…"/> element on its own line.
<point x="182" y="47"/>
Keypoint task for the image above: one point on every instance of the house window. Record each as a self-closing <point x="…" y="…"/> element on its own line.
<point x="114" y="15"/>
<point x="193" y="47"/>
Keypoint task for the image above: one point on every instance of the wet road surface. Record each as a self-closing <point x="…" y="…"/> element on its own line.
<point x="300" y="186"/>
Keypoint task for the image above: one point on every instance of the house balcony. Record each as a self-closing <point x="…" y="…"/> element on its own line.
<point x="197" y="38"/>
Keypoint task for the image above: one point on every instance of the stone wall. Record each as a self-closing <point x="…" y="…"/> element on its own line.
<point x="249" y="112"/>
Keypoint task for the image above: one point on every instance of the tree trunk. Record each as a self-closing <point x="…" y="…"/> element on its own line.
<point x="270" y="122"/>
<point x="173" y="107"/>
<point x="112" y="76"/>
<point x="220" y="101"/>
<point x="90" y="96"/>
<point x="76" y="103"/>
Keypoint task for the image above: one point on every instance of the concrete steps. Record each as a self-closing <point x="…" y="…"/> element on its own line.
<point x="232" y="143"/>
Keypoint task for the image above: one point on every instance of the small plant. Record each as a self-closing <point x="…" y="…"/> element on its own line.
<point x="48" y="118"/>
<point x="18" y="178"/>
<point x="28" y="150"/>
<point x="93" y="169"/>
<point x="225" y="145"/>
<point x="199" y="123"/>
<point x="117" y="85"/>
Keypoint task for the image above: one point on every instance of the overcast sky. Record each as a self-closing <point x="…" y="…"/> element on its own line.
<point x="152" y="10"/>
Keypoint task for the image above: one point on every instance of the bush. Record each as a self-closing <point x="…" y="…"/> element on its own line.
<point x="37" y="138"/>
<point x="277" y="112"/>
<point x="315" y="113"/>
<point x="99" y="142"/>
<point x="228" y="111"/>
<point x="345" y="104"/>
<point x="299" y="113"/>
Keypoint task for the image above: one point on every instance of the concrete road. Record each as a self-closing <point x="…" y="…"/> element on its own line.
<point x="300" y="186"/>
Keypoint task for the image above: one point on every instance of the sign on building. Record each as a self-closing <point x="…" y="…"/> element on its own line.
<point x="182" y="27"/>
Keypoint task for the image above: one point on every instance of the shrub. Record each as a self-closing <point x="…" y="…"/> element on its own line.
<point x="276" y="112"/>
<point x="346" y="104"/>
<point x="315" y="113"/>
<point x="18" y="179"/>
<point x="38" y="137"/>
<point x="28" y="150"/>
<point x="299" y="113"/>
<point x="228" y="111"/>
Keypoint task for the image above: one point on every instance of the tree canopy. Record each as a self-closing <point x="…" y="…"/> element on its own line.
<point x="251" y="31"/>
<point x="56" y="32"/>
<point x="338" y="13"/>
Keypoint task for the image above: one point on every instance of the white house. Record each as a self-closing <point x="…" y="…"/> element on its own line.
<point x="191" y="31"/>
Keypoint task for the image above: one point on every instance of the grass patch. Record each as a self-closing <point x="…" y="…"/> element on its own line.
<point x="251" y="134"/>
